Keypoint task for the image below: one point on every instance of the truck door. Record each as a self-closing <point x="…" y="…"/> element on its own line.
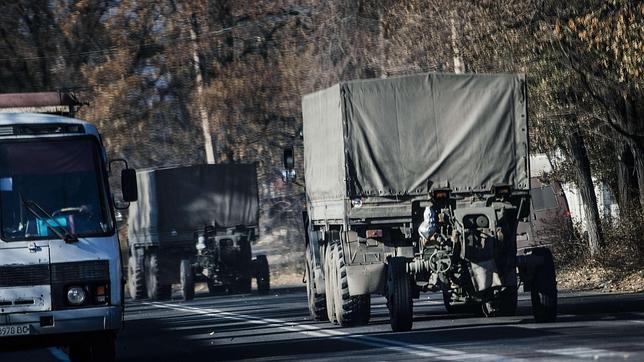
<point x="24" y="277"/>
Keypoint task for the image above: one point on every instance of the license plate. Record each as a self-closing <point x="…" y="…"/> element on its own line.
<point x="15" y="330"/>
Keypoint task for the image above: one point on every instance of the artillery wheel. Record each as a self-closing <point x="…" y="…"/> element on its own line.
<point x="399" y="295"/>
<point x="543" y="292"/>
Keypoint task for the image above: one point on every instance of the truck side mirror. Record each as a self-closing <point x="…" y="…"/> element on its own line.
<point x="288" y="173"/>
<point x="128" y="185"/>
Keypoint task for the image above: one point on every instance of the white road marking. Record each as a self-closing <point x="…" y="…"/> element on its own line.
<point x="314" y="331"/>
<point x="58" y="354"/>
<point x="585" y="352"/>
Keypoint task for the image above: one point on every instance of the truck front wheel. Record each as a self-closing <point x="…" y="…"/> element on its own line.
<point x="399" y="295"/>
<point x="544" y="288"/>
<point x="186" y="277"/>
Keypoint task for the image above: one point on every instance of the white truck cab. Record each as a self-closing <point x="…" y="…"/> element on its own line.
<point x="60" y="267"/>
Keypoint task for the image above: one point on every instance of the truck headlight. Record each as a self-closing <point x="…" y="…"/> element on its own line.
<point x="76" y="295"/>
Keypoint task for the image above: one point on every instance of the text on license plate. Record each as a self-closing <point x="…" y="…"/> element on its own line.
<point x="15" y="330"/>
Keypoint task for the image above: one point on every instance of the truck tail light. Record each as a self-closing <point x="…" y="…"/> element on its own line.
<point x="441" y="195"/>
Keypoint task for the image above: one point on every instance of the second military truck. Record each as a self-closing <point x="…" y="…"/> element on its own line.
<point x="191" y="224"/>
<point x="416" y="184"/>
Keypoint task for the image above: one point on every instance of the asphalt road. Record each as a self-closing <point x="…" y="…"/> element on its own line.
<point x="277" y="327"/>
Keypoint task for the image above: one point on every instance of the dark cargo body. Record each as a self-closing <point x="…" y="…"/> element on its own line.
<point x="175" y="202"/>
<point x="416" y="184"/>
<point x="203" y="216"/>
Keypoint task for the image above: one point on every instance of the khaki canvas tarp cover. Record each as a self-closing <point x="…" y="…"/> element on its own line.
<point x="407" y="135"/>
<point x="177" y="201"/>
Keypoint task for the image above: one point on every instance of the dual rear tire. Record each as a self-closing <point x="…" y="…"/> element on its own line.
<point x="144" y="276"/>
<point x="341" y="307"/>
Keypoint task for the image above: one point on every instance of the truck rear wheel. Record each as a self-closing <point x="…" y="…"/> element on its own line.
<point x="329" y="281"/>
<point x="543" y="291"/>
<point x="156" y="290"/>
<point x="399" y="295"/>
<point x="262" y="276"/>
<point x="317" y="302"/>
<point x="136" y="277"/>
<point x="349" y="310"/>
<point x="186" y="278"/>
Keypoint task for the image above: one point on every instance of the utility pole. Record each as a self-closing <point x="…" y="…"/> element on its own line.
<point x="205" y="124"/>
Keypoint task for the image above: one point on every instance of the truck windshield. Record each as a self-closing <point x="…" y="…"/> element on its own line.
<point x="63" y="176"/>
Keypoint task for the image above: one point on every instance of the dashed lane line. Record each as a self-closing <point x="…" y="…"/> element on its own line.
<point x="423" y="351"/>
<point x="585" y="352"/>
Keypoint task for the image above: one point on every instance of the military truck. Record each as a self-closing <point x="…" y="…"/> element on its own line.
<point x="195" y="224"/>
<point x="417" y="184"/>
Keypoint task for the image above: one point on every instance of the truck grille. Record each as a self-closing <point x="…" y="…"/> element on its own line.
<point x="24" y="275"/>
<point x="76" y="273"/>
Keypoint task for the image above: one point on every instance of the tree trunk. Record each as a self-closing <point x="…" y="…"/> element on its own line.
<point x="199" y="82"/>
<point x="586" y="190"/>
<point x="624" y="194"/>
<point x="638" y="157"/>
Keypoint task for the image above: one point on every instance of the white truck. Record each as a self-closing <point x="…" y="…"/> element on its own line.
<point x="60" y="269"/>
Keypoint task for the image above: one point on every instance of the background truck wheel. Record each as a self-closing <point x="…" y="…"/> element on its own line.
<point x="468" y="307"/>
<point x="101" y="348"/>
<point x="399" y="295"/>
<point x="544" y="288"/>
<point x="329" y="288"/>
<point x="349" y="311"/>
<point x="262" y="276"/>
<point x="155" y="289"/>
<point x="186" y="278"/>
<point x="317" y="302"/>
<point x="136" y="277"/>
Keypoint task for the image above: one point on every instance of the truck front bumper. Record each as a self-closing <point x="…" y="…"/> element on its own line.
<point x="60" y="327"/>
